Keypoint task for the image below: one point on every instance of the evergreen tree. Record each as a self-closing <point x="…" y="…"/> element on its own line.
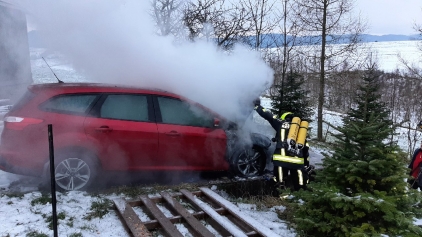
<point x="361" y="190"/>
<point x="292" y="98"/>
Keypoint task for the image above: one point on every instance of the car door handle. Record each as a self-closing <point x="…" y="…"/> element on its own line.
<point x="104" y="129"/>
<point x="172" y="133"/>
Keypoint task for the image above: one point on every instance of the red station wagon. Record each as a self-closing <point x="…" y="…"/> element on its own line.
<point x="99" y="127"/>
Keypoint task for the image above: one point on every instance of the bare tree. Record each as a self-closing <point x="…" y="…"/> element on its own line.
<point x="261" y="12"/>
<point x="234" y="27"/>
<point x="168" y="16"/>
<point x="216" y="20"/>
<point x="284" y="42"/>
<point x="199" y="13"/>
<point x="331" y="28"/>
<point x="418" y="28"/>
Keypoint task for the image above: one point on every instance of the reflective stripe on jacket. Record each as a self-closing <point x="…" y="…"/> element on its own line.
<point x="289" y="159"/>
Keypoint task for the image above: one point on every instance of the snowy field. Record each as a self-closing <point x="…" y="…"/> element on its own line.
<point x="18" y="217"/>
<point x="387" y="54"/>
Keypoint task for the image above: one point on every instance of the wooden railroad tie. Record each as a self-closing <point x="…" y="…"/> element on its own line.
<point x="202" y="213"/>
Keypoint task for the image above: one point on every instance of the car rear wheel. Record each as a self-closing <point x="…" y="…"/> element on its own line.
<point x="75" y="171"/>
<point x="249" y="162"/>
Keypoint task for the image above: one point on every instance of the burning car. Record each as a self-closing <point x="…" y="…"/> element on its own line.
<point x="99" y="128"/>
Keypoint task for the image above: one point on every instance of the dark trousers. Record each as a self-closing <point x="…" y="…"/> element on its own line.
<point x="297" y="177"/>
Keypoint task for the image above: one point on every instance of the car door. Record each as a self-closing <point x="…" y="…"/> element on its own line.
<point x="187" y="136"/>
<point x="124" y="126"/>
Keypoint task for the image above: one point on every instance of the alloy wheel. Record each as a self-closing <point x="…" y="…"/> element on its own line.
<point x="249" y="162"/>
<point x="72" y="174"/>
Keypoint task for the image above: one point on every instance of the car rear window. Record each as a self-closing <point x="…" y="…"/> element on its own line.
<point x="26" y="97"/>
<point x="73" y="104"/>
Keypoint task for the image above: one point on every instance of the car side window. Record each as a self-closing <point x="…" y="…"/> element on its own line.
<point x="175" y="111"/>
<point x="73" y="104"/>
<point x="125" y="107"/>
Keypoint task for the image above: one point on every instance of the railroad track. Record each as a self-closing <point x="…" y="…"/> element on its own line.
<point x="201" y="213"/>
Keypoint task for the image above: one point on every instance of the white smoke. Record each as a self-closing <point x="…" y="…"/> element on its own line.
<point x="114" y="42"/>
<point x="15" y="69"/>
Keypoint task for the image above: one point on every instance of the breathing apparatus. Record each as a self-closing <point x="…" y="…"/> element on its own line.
<point x="296" y="136"/>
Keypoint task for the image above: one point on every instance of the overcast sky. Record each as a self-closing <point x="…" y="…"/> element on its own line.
<point x="391" y="16"/>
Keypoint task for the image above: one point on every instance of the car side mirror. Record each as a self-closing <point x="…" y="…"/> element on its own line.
<point x="216" y="122"/>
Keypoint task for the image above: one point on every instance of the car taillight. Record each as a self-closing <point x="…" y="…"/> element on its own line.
<point x="19" y="123"/>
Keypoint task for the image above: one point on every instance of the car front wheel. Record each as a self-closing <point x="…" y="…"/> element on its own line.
<point x="75" y="172"/>
<point x="249" y="162"/>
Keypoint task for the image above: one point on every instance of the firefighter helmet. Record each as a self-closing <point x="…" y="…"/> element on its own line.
<point x="288" y="116"/>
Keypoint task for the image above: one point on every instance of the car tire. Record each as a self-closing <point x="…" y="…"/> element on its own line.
<point x="75" y="171"/>
<point x="249" y="162"/>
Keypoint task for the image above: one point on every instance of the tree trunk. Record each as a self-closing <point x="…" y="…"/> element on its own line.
<point x="322" y="72"/>
<point x="284" y="66"/>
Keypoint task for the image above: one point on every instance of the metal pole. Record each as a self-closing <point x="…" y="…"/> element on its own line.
<point x="53" y="180"/>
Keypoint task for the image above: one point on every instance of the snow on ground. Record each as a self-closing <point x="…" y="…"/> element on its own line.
<point x="20" y="215"/>
<point x="265" y="230"/>
<point x="41" y="73"/>
<point x="387" y="53"/>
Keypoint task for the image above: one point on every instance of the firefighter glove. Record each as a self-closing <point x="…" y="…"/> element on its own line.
<point x="257" y="102"/>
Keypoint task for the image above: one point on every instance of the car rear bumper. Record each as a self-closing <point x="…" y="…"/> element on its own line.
<point x="10" y="164"/>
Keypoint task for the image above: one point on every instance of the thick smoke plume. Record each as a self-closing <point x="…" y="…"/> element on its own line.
<point x="115" y="42"/>
<point x="15" y="68"/>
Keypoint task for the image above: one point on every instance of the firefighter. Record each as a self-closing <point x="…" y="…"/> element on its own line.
<point x="291" y="156"/>
<point x="415" y="165"/>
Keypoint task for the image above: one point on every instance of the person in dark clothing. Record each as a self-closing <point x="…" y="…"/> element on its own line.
<point x="290" y="159"/>
<point x="415" y="166"/>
